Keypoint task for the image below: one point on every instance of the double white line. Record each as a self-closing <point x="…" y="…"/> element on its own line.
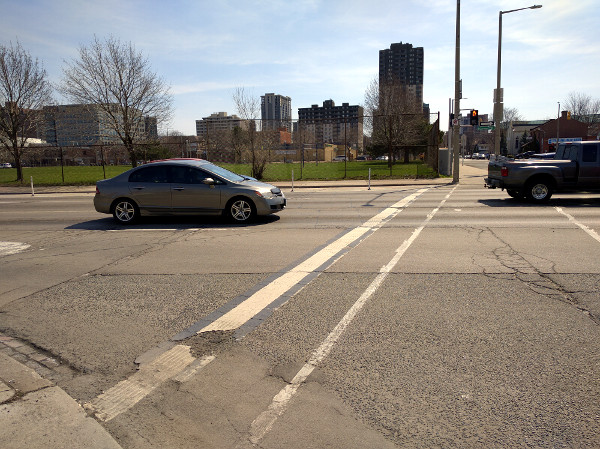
<point x="178" y="363"/>
<point x="294" y="277"/>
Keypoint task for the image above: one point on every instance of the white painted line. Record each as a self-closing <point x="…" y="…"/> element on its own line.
<point x="175" y="229"/>
<point x="143" y="230"/>
<point x="265" y="421"/>
<point x="269" y="293"/>
<point x="129" y="392"/>
<point x="593" y="234"/>
<point x="193" y="368"/>
<point x="8" y="248"/>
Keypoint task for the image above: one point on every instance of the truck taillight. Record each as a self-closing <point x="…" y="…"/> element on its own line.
<point x="504" y="171"/>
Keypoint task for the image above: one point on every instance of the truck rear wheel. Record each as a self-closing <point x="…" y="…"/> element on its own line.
<point x="539" y="191"/>
<point x="516" y="194"/>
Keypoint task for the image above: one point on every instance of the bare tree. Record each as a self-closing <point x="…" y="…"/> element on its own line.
<point x="114" y="78"/>
<point x="24" y="90"/>
<point x="248" y="108"/>
<point x="583" y="107"/>
<point x="394" y="116"/>
<point x="238" y="143"/>
<point x="511" y="115"/>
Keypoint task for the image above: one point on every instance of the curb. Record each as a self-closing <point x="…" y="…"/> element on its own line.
<point x="25" y="190"/>
<point x="34" y="412"/>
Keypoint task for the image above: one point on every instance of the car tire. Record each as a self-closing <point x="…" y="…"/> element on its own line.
<point x="125" y="211"/>
<point x="240" y="210"/>
<point x="539" y="191"/>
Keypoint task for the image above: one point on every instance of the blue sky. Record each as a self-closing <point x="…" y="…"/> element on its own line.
<point x="315" y="50"/>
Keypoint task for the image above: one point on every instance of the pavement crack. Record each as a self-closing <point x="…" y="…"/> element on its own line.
<point x="536" y="280"/>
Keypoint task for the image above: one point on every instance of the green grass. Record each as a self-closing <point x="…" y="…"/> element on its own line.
<point x="48" y="176"/>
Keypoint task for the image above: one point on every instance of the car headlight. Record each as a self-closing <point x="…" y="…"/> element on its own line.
<point x="265" y="194"/>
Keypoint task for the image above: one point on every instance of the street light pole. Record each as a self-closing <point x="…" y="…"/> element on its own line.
<point x="498" y="94"/>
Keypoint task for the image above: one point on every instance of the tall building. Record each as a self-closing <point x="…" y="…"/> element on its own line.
<point x="219" y="121"/>
<point x="340" y="125"/>
<point x="85" y="124"/>
<point x="276" y="111"/>
<point x="403" y="62"/>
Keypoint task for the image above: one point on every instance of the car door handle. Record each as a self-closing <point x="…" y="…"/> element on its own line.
<point x="139" y="188"/>
<point x="179" y="188"/>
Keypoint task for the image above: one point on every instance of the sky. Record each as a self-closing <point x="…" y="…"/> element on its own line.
<point x="316" y="50"/>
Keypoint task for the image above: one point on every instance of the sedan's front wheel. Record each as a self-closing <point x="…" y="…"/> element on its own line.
<point x="125" y="211"/>
<point x="241" y="210"/>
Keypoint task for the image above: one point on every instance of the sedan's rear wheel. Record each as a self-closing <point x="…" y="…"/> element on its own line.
<point x="241" y="210"/>
<point x="125" y="211"/>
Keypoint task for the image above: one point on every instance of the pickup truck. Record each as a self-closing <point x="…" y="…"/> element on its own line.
<point x="575" y="168"/>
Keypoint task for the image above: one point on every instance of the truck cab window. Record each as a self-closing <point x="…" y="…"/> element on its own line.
<point x="590" y="153"/>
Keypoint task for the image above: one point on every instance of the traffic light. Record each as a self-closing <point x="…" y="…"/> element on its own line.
<point x="474" y="117"/>
<point x="568" y="115"/>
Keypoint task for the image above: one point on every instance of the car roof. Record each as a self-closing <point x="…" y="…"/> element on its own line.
<point x="180" y="161"/>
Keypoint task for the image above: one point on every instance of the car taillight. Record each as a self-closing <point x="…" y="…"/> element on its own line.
<point x="504" y="171"/>
<point x="97" y="190"/>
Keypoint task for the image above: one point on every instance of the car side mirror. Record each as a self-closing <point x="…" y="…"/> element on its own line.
<point x="208" y="181"/>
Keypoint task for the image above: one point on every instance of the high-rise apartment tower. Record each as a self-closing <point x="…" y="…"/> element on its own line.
<point x="276" y="112"/>
<point x="404" y="63"/>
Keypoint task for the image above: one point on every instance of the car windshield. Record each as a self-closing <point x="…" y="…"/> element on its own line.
<point x="223" y="173"/>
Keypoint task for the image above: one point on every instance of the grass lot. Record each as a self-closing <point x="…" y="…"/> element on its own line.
<point x="49" y="176"/>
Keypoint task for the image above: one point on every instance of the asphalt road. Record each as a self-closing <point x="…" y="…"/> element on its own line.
<point x="410" y="316"/>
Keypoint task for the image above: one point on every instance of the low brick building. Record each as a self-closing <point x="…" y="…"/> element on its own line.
<point x="565" y="128"/>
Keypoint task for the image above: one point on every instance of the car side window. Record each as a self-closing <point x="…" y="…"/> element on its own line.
<point x="154" y="174"/>
<point x="187" y="175"/>
<point x="196" y="176"/>
<point x="570" y="153"/>
<point x="590" y="153"/>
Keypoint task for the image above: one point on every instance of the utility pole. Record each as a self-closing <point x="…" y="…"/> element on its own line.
<point x="457" y="95"/>
<point x="557" y="126"/>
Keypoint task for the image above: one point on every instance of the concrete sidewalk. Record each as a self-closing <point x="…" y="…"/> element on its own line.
<point x="35" y="413"/>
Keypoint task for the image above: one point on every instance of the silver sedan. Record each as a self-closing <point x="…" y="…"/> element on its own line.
<point x="185" y="187"/>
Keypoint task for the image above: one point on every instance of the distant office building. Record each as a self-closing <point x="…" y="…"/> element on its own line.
<point x="404" y="63"/>
<point x="82" y="124"/>
<point x="151" y="127"/>
<point x="219" y="121"/>
<point x="276" y="112"/>
<point x="333" y="124"/>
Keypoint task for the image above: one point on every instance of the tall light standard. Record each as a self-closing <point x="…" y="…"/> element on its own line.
<point x="498" y="96"/>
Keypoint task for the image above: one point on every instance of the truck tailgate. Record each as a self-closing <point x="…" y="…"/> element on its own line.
<point x="495" y="169"/>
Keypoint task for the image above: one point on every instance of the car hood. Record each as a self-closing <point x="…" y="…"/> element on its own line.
<point x="258" y="184"/>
